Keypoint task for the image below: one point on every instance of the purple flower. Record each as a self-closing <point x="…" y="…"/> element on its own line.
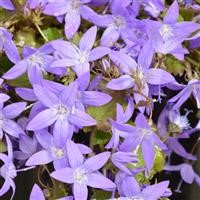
<point x="128" y="187"/>
<point x="121" y="118"/>
<point x="120" y="159"/>
<point x="60" y="110"/>
<point x="7" y="4"/>
<point x="83" y="96"/>
<point x="36" y="193"/>
<point x="35" y="62"/>
<point x="193" y="87"/>
<point x="8" y="170"/>
<point x="144" y="136"/>
<point x="118" y="24"/>
<point x="72" y="11"/>
<point x="186" y="171"/>
<point x="153" y="7"/>
<point x="54" y="149"/>
<point x="32" y="4"/>
<point x="7" y="45"/>
<point x="7" y="114"/>
<point x="27" y="147"/>
<point x="3" y="98"/>
<point x="80" y="57"/>
<point x="166" y="36"/>
<point x="139" y="76"/>
<point x="83" y="173"/>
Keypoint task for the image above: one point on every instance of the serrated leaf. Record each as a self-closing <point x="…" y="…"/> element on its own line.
<point x="52" y="33"/>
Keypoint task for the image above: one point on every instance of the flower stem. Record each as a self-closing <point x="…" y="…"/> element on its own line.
<point x="41" y="33"/>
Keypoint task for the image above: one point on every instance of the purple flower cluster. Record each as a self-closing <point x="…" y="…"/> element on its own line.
<point x="108" y="82"/>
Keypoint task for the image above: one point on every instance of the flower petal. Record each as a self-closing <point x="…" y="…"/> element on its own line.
<point x="65" y="62"/>
<point x="72" y="150"/>
<point x="94" y="98"/>
<point x="159" y="77"/>
<point x="87" y="41"/>
<point x="64" y="175"/>
<point x="80" y="118"/>
<point x="36" y="193"/>
<point x="97" y="180"/>
<point x="40" y="158"/>
<point x="187" y="173"/>
<point x="56" y="8"/>
<point x="72" y="23"/>
<point x="96" y="162"/>
<point x="13" y="110"/>
<point x="121" y="83"/>
<point x="155" y="191"/>
<point x="12" y="128"/>
<point x="42" y="120"/>
<point x="16" y="71"/>
<point x="98" y="53"/>
<point x="46" y="97"/>
<point x="80" y="191"/>
<point x="172" y="14"/>
<point x="148" y="151"/>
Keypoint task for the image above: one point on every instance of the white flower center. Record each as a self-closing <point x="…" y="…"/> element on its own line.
<point x="119" y="21"/>
<point x="35" y="59"/>
<point x="57" y="152"/>
<point x="182" y="122"/>
<point x="146" y="131"/>
<point x="83" y="57"/>
<point x="166" y="31"/>
<point x="80" y="176"/>
<point x="62" y="111"/>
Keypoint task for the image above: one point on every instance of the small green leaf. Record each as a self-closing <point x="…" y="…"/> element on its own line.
<point x="187" y="14"/>
<point x="174" y="66"/>
<point x="22" y="81"/>
<point x="103" y="113"/>
<point x="100" y="137"/>
<point x="26" y="37"/>
<point x="5" y="64"/>
<point x="52" y="33"/>
<point x="100" y="195"/>
<point x="159" y="161"/>
<point x="3" y="147"/>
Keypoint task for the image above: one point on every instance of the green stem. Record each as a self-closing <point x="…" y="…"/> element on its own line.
<point x="41" y="33"/>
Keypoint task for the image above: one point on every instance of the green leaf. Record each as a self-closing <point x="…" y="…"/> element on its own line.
<point x="100" y="137"/>
<point x="159" y="161"/>
<point x="103" y="113"/>
<point x="100" y="195"/>
<point x="26" y="36"/>
<point x="174" y="66"/>
<point x="52" y="33"/>
<point x="5" y="64"/>
<point x="22" y="81"/>
<point x="3" y="147"/>
<point x="187" y="14"/>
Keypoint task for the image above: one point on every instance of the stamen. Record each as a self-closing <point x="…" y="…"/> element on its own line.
<point x="80" y="176"/>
